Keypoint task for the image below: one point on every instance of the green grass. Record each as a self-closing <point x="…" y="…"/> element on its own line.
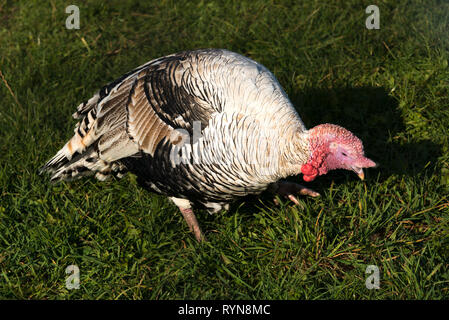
<point x="389" y="86"/>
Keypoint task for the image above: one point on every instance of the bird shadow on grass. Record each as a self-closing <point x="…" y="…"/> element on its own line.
<point x="374" y="116"/>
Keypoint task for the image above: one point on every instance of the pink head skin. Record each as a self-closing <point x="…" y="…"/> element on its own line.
<point x="333" y="147"/>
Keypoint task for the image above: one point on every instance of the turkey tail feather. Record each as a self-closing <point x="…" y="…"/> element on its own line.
<point x="81" y="165"/>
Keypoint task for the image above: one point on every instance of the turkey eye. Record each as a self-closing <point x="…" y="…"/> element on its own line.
<point x="344" y="154"/>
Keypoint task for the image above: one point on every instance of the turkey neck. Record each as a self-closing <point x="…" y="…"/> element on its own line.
<point x="296" y="153"/>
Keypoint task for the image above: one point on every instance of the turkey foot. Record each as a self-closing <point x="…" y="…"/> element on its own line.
<point x="289" y="189"/>
<point x="192" y="222"/>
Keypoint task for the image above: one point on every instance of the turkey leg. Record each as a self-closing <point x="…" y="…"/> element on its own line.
<point x="192" y="222"/>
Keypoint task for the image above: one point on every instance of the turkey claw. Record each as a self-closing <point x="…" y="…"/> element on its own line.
<point x="289" y="189"/>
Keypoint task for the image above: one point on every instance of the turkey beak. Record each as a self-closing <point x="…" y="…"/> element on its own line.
<point x="361" y="175"/>
<point x="359" y="172"/>
<point x="363" y="163"/>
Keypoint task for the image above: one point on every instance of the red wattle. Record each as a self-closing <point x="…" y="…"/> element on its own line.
<point x="309" y="170"/>
<point x="308" y="178"/>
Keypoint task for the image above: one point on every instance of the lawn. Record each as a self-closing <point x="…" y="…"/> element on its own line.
<point x="389" y="86"/>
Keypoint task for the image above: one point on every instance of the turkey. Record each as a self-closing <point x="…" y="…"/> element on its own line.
<point x="204" y="128"/>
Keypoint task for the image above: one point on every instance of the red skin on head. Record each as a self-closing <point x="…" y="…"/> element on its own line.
<point x="320" y="138"/>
